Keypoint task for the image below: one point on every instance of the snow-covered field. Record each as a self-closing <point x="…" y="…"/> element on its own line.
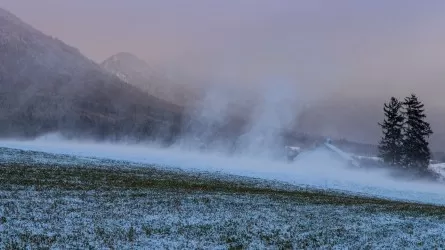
<point x="316" y="169"/>
<point x="156" y="219"/>
<point x="97" y="196"/>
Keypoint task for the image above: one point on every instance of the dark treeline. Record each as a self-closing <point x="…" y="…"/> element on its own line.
<point x="404" y="144"/>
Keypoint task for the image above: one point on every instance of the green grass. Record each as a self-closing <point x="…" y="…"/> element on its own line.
<point x="43" y="177"/>
<point x="45" y="207"/>
<point x="49" y="201"/>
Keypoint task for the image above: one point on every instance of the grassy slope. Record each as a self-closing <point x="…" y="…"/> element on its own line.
<point x="145" y="178"/>
<point x="118" y="205"/>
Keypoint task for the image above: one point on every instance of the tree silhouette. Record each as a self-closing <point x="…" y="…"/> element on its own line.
<point x="416" y="152"/>
<point x="390" y="146"/>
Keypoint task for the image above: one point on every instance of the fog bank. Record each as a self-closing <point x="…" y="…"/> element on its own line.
<point x="316" y="168"/>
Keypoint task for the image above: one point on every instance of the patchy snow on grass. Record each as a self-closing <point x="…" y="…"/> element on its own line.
<point x="41" y="213"/>
<point x="165" y="220"/>
<point x="315" y="168"/>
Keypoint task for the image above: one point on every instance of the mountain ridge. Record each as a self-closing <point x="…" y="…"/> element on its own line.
<point x="137" y="72"/>
<point x="47" y="85"/>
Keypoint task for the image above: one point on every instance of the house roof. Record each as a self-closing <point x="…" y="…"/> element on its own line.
<point x="336" y="153"/>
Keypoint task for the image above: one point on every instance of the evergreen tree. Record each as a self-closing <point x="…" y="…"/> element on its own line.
<point x="416" y="131"/>
<point x="390" y="146"/>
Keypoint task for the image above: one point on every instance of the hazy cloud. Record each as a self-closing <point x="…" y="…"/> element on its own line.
<point x="371" y="44"/>
<point x="326" y="48"/>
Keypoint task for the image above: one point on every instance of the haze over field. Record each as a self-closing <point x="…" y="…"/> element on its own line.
<point x="160" y="123"/>
<point x="50" y="87"/>
<point x="318" y="168"/>
<point x="343" y="59"/>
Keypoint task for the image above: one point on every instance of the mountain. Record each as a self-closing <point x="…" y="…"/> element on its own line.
<point x="46" y="86"/>
<point x="135" y="71"/>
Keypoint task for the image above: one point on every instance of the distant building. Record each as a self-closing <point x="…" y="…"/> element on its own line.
<point x="293" y="152"/>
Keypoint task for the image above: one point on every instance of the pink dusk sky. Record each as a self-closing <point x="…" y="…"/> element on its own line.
<point x="348" y="46"/>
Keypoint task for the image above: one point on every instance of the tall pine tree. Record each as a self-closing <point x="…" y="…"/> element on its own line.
<point x="390" y="146"/>
<point x="415" y="145"/>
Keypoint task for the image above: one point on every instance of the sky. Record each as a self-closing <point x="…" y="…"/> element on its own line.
<point x="363" y="50"/>
<point x="358" y="47"/>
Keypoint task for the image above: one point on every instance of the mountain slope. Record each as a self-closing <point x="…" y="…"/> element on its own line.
<point x="135" y="71"/>
<point x="46" y="85"/>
